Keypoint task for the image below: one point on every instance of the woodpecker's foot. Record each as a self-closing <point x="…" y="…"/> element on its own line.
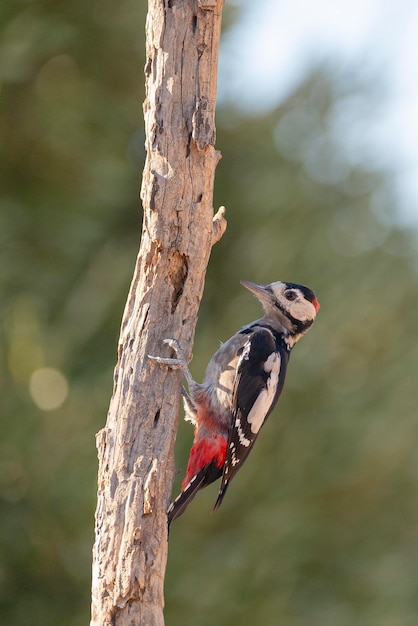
<point x="177" y="363"/>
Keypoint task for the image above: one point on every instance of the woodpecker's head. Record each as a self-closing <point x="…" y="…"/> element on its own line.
<point x="293" y="306"/>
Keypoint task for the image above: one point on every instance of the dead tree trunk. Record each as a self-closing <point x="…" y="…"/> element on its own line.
<point x="135" y="449"/>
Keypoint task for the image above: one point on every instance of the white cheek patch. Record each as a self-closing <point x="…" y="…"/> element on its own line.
<point x="303" y="310"/>
<point x="264" y="401"/>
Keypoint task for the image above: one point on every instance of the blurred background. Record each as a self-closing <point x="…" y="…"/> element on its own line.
<point x="318" y="176"/>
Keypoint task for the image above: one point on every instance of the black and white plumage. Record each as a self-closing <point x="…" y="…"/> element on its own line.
<point x="260" y="375"/>
<point x="242" y="384"/>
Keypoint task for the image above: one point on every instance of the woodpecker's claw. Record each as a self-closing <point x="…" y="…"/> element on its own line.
<point x="173" y="343"/>
<point x="177" y="363"/>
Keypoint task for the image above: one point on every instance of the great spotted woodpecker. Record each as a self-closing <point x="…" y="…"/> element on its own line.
<point x="242" y="384"/>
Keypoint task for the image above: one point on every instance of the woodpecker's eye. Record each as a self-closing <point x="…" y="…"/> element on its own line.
<point x="290" y="295"/>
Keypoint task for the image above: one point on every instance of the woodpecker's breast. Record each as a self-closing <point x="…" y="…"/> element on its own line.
<point x="220" y="376"/>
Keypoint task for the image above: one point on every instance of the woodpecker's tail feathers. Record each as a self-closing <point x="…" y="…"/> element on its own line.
<point x="221" y="495"/>
<point x="179" y="505"/>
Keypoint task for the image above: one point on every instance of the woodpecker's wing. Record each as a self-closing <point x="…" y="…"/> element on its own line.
<point x="260" y="376"/>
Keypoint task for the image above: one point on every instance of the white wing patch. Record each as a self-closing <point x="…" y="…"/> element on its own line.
<point x="264" y="401"/>
<point x="234" y="460"/>
<point x="242" y="438"/>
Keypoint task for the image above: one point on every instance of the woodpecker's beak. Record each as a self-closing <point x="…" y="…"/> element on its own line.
<point x="260" y="291"/>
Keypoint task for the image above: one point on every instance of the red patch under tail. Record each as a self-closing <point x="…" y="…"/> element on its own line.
<point x="204" y="452"/>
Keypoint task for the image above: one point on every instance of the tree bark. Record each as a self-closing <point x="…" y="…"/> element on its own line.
<point x="135" y="449"/>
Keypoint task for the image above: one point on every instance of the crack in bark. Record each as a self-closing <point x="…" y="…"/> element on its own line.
<point x="149" y="489"/>
<point x="177" y="274"/>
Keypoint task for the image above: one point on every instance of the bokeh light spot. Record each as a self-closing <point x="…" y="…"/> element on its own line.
<point x="48" y="388"/>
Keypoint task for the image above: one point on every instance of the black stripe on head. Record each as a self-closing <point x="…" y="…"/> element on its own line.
<point x="300" y="326"/>
<point x="308" y="293"/>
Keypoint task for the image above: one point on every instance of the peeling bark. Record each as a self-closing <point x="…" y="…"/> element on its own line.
<point x="135" y="448"/>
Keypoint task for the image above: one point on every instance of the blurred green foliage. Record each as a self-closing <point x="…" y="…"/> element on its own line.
<point x="321" y="527"/>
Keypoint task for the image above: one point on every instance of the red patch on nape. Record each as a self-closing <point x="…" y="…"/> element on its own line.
<point x="212" y="449"/>
<point x="316" y="304"/>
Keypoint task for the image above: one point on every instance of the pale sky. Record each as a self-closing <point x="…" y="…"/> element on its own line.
<point x="275" y="43"/>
